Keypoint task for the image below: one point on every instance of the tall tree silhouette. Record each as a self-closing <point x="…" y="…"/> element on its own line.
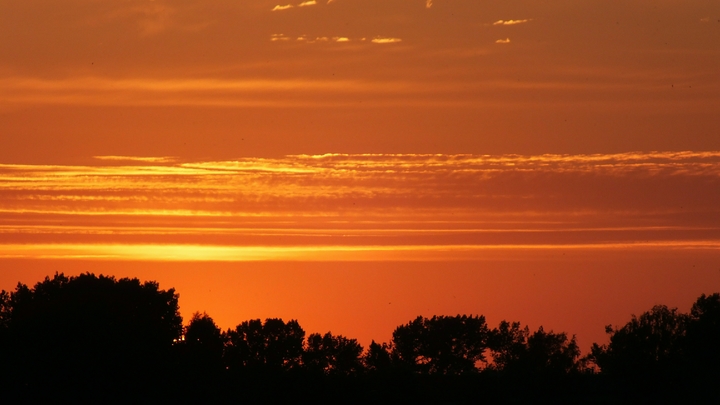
<point x="90" y="335"/>
<point x="702" y="347"/>
<point x="204" y="336"/>
<point x="442" y="344"/>
<point x="200" y="358"/>
<point x="377" y="358"/>
<point x="703" y="334"/>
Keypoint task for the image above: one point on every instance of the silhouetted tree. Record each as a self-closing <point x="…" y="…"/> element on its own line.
<point x="332" y="354"/>
<point x="703" y="333"/>
<point x="508" y="344"/>
<point x="377" y="358"/>
<point x="515" y="349"/>
<point x="89" y="335"/>
<point x="200" y="359"/>
<point x="203" y="335"/>
<point x="647" y="345"/>
<point x="442" y="344"/>
<point x="272" y="346"/>
<point x="552" y="352"/>
<point x="702" y="348"/>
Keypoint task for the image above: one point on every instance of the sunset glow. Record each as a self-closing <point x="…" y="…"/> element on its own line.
<point x="514" y="159"/>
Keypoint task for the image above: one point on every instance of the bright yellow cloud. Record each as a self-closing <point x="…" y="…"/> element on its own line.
<point x="280" y="8"/>
<point x="382" y="40"/>
<point x="511" y="22"/>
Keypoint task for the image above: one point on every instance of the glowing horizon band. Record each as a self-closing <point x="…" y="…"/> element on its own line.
<point x="213" y="253"/>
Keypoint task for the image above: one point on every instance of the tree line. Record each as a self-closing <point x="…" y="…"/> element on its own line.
<point x="97" y="339"/>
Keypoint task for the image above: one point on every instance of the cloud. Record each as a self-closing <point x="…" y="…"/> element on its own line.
<point x="158" y="159"/>
<point x="428" y="3"/>
<point x="381" y="40"/>
<point x="279" y="37"/>
<point x="526" y="200"/>
<point x="503" y="41"/>
<point x="174" y="252"/>
<point x="511" y="22"/>
<point x="279" y="7"/>
<point x="341" y="39"/>
<point x="307" y="3"/>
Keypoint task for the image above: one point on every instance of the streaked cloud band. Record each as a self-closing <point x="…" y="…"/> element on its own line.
<point x="355" y="200"/>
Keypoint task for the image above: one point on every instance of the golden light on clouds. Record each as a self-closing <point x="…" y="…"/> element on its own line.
<point x="381" y="40"/>
<point x="280" y="8"/>
<point x="359" y="206"/>
<point x="511" y="22"/>
<point x="492" y="137"/>
<point x="323" y="253"/>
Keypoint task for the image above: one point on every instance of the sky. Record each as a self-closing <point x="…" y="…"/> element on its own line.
<point x="356" y="163"/>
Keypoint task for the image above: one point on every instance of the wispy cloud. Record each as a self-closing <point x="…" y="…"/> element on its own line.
<point x="354" y="206"/>
<point x="215" y="253"/>
<point x="307" y="3"/>
<point x="160" y="159"/>
<point x="428" y="3"/>
<point x="511" y="22"/>
<point x="384" y="40"/>
<point x="503" y="41"/>
<point x="279" y="37"/>
<point x="145" y="91"/>
<point x="280" y="8"/>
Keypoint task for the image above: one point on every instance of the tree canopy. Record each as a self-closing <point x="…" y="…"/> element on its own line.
<point x="88" y="332"/>
<point x="94" y="338"/>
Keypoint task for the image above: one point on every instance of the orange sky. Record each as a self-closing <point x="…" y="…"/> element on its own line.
<point x="356" y="163"/>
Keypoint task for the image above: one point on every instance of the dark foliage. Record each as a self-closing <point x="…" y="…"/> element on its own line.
<point x="95" y="339"/>
<point x="270" y="347"/>
<point x="441" y="344"/>
<point x="330" y="354"/>
<point x="516" y="350"/>
<point x="663" y="355"/>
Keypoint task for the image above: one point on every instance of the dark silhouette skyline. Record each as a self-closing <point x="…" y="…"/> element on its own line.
<point x="99" y="339"/>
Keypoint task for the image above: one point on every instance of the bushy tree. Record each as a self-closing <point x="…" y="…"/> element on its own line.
<point x="332" y="354"/>
<point x="514" y="349"/>
<point x="203" y="342"/>
<point x="377" y="358"/>
<point x="89" y="333"/>
<point x="649" y="344"/>
<point x="271" y="346"/>
<point x="703" y="334"/>
<point x="441" y="344"/>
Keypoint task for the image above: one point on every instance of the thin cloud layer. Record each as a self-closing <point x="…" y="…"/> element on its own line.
<point x="364" y="204"/>
<point x="503" y="41"/>
<point x="382" y="40"/>
<point x="280" y="8"/>
<point x="511" y="22"/>
<point x="149" y="159"/>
